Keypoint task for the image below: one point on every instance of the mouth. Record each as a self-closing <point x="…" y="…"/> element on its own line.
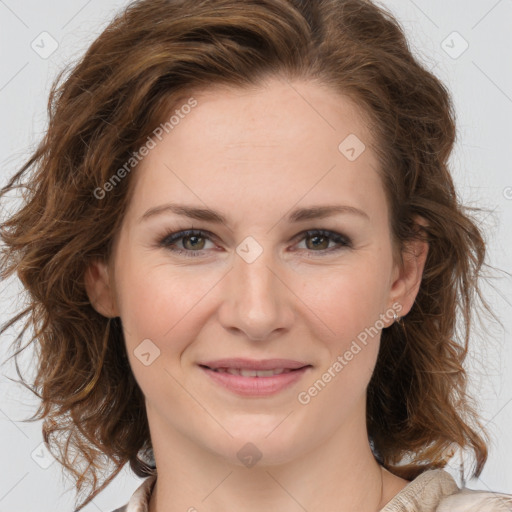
<point x="255" y="378"/>
<point x="251" y="373"/>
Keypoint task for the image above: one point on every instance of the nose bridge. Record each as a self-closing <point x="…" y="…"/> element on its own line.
<point x="256" y="301"/>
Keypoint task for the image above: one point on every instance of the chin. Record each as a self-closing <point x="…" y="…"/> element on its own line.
<point x="258" y="448"/>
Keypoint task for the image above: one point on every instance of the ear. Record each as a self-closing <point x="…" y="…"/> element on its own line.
<point x="407" y="276"/>
<point x="99" y="289"/>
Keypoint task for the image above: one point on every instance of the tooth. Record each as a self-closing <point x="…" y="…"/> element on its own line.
<point x="268" y="373"/>
<point x="253" y="373"/>
<point x="260" y="373"/>
<point x="248" y="373"/>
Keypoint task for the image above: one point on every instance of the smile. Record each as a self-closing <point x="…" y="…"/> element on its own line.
<point x="255" y="383"/>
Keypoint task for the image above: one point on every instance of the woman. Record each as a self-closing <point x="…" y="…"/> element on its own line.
<point x="245" y="257"/>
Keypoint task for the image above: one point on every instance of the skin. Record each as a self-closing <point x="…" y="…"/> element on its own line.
<point x="255" y="154"/>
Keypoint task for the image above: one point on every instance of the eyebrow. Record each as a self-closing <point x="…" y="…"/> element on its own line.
<point x="208" y="215"/>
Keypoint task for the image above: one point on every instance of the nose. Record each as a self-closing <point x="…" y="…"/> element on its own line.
<point x="257" y="300"/>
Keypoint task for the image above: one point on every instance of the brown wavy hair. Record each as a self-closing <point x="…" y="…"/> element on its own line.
<point x="104" y="108"/>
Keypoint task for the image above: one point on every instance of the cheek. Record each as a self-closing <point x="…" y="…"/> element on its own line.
<point x="348" y="306"/>
<point x="161" y="303"/>
<point x="346" y="299"/>
<point x="348" y="302"/>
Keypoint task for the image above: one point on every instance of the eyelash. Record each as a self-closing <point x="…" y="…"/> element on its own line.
<point x="169" y="239"/>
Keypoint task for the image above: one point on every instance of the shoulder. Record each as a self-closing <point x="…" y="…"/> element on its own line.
<point x="469" y="500"/>
<point x="436" y="491"/>
<point x="139" y="501"/>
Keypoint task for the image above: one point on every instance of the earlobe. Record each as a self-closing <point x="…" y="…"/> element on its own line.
<point x="99" y="288"/>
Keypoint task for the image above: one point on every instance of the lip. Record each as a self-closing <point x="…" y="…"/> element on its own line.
<point x="256" y="386"/>
<point x="254" y="364"/>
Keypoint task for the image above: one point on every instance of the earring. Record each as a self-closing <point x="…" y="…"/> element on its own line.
<point x="396" y="318"/>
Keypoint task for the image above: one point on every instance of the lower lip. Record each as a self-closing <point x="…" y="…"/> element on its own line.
<point x="256" y="386"/>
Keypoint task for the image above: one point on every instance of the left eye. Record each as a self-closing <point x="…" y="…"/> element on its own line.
<point x="321" y="239"/>
<point x="193" y="241"/>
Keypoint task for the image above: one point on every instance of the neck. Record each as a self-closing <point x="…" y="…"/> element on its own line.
<point x="340" y="474"/>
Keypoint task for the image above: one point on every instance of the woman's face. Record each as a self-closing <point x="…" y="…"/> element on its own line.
<point x="255" y="286"/>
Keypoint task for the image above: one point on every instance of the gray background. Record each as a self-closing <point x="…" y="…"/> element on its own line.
<point x="480" y="80"/>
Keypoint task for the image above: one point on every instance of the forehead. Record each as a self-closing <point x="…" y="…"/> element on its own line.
<point x="272" y="144"/>
<point x="278" y="113"/>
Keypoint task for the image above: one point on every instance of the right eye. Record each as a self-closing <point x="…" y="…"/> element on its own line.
<point x="192" y="240"/>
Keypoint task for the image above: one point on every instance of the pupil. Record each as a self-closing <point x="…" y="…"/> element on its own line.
<point x="194" y="239"/>
<point x="317" y="237"/>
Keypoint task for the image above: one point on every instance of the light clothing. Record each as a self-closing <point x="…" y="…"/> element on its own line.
<point x="434" y="490"/>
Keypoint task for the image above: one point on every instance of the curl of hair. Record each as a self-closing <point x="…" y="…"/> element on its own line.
<point x="152" y="56"/>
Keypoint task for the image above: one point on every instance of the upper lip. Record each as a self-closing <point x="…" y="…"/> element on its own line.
<point x="254" y="364"/>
